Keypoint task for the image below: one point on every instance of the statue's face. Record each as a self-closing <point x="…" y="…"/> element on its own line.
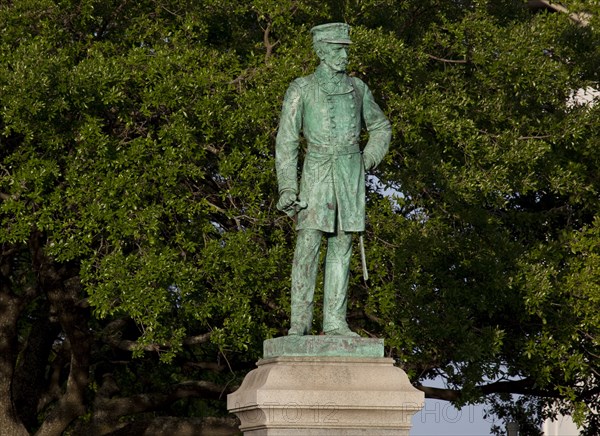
<point x="335" y="56"/>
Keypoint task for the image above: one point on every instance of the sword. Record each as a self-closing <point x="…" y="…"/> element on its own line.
<point x="363" y="258"/>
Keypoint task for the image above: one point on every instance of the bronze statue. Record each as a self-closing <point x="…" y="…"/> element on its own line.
<point x="328" y="108"/>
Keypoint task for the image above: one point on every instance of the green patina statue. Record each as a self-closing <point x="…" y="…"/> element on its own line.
<point x="328" y="108"/>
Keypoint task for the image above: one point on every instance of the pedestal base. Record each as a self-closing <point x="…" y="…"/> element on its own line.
<point x="322" y="346"/>
<point x="325" y="395"/>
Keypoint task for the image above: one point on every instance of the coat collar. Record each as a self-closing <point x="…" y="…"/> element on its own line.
<point x="332" y="82"/>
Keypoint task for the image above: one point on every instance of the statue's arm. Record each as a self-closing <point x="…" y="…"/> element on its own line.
<point x="286" y="145"/>
<point x="379" y="127"/>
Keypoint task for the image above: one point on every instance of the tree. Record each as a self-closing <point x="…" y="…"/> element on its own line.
<point x="143" y="261"/>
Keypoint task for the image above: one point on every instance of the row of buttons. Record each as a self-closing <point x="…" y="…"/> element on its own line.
<point x="352" y="126"/>
<point x="332" y="108"/>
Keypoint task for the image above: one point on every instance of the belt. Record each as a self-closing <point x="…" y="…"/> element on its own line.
<point x="334" y="149"/>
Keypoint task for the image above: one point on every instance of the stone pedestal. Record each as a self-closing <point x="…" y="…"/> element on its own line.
<point x="296" y="390"/>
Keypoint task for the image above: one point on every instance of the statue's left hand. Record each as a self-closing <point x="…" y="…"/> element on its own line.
<point x="368" y="161"/>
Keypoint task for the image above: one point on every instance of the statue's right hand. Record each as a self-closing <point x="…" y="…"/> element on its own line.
<point x="286" y="200"/>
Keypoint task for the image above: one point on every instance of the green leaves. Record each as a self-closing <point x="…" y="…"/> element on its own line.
<point x="137" y="139"/>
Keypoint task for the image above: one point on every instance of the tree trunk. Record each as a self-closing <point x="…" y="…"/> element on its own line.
<point x="30" y="374"/>
<point x="64" y="295"/>
<point x="10" y="308"/>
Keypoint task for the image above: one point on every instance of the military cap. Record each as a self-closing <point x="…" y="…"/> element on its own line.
<point x="334" y="33"/>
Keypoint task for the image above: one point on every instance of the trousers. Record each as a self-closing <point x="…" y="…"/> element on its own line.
<point x="335" y="286"/>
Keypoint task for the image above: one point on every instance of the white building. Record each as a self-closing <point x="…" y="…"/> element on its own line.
<point x="562" y="426"/>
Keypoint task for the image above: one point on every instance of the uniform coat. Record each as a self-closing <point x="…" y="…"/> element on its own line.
<point x="329" y="110"/>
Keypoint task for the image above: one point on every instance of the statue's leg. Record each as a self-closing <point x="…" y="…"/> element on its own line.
<point x="337" y="273"/>
<point x="304" y="276"/>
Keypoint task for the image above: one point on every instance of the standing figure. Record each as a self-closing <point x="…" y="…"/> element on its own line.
<point x="329" y="108"/>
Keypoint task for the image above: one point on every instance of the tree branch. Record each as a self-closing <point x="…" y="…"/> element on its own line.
<point x="523" y="387"/>
<point x="439" y="393"/>
<point x="112" y="332"/>
<point x="373" y="318"/>
<point x="214" y="150"/>
<point x="108" y="411"/>
<point x="267" y="42"/>
<point x="244" y="75"/>
<point x="447" y="61"/>
<point x="589" y="393"/>
<point x="581" y="19"/>
<point x="127" y="345"/>
<point x="117" y="407"/>
<point x="196" y="340"/>
<point x="211" y="366"/>
<point x="169" y="425"/>
<point x="523" y="138"/>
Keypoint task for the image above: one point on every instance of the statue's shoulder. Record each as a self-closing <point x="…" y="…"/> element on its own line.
<point x="297" y="89"/>
<point x="303" y="82"/>
<point x="358" y="83"/>
<point x="296" y="93"/>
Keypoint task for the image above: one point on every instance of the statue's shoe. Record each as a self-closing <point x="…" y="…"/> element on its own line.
<point x="297" y="331"/>
<point x="342" y="331"/>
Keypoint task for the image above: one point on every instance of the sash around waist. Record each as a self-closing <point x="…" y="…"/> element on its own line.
<point x="334" y="149"/>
